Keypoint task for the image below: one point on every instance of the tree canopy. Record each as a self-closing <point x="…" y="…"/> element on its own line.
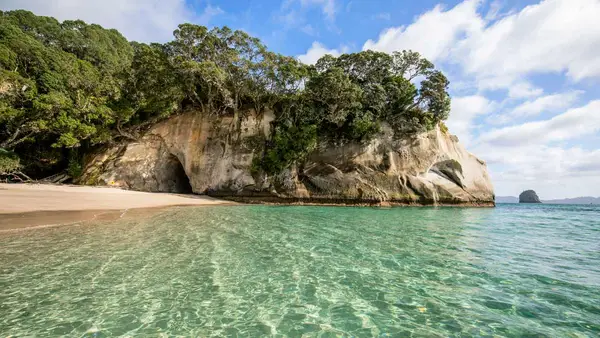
<point x="66" y="87"/>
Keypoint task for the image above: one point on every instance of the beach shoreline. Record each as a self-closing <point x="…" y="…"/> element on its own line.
<point x="25" y="206"/>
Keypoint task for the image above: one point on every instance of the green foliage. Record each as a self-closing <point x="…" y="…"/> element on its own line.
<point x="74" y="168"/>
<point x="334" y="96"/>
<point x="288" y="145"/>
<point x="151" y="90"/>
<point x="435" y="96"/>
<point x="66" y="87"/>
<point x="363" y="127"/>
<point x="443" y="128"/>
<point x="9" y="162"/>
<point x="409" y="65"/>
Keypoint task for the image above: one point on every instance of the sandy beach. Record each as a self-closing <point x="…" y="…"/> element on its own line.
<point x="33" y="205"/>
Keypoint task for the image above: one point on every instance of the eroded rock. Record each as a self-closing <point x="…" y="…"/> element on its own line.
<point x="431" y="168"/>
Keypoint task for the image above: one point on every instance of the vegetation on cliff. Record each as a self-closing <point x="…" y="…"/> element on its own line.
<point x="68" y="87"/>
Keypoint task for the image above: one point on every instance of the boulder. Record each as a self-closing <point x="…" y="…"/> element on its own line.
<point x="529" y="196"/>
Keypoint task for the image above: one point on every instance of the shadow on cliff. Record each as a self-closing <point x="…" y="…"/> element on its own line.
<point x="180" y="181"/>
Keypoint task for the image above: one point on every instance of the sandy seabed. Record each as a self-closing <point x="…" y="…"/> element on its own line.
<point x="34" y="205"/>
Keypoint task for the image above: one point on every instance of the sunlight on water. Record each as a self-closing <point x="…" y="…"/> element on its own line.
<point x="314" y="271"/>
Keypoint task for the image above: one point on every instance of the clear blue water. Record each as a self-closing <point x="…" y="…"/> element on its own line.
<point x="249" y="271"/>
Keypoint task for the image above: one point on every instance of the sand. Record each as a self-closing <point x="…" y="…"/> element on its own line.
<point x="18" y="198"/>
<point x="34" y="205"/>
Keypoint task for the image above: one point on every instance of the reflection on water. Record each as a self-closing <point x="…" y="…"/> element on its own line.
<point x="313" y="271"/>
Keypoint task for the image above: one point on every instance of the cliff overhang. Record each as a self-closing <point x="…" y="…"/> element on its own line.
<point x="201" y="152"/>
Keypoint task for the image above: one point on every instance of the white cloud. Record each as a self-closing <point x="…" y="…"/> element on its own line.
<point x="535" y="155"/>
<point x="140" y="20"/>
<point x="293" y="14"/>
<point x="433" y="34"/>
<point x="494" y="10"/>
<point x="553" y="172"/>
<point x="317" y="50"/>
<point x="517" y="88"/>
<point x="291" y="19"/>
<point x="523" y="89"/>
<point x="209" y="13"/>
<point x="548" y="103"/>
<point x="588" y="164"/>
<point x="328" y="6"/>
<point x="552" y="36"/>
<point x="463" y="111"/>
<point x="572" y="124"/>
<point x="309" y="30"/>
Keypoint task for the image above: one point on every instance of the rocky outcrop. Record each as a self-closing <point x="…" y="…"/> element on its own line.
<point x="216" y="157"/>
<point x="145" y="166"/>
<point x="529" y="196"/>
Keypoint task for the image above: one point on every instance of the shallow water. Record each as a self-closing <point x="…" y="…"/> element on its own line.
<point x="516" y="270"/>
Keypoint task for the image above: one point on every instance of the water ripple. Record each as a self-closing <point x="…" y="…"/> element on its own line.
<point x="309" y="271"/>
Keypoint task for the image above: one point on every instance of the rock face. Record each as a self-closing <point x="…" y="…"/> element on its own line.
<point x="529" y="196"/>
<point x="215" y="156"/>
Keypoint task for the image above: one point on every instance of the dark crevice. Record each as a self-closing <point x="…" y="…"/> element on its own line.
<point x="179" y="181"/>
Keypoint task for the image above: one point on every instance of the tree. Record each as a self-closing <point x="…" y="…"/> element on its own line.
<point x="152" y="90"/>
<point x="334" y="96"/>
<point x="242" y="56"/>
<point x="366" y="68"/>
<point x="434" y="95"/>
<point x="275" y="79"/>
<point x="325" y="63"/>
<point x="409" y="64"/>
<point x="66" y="87"/>
<point x="16" y="93"/>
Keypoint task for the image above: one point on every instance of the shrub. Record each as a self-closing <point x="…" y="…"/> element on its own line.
<point x="74" y="168"/>
<point x="288" y="145"/>
<point x="443" y="128"/>
<point x="9" y="162"/>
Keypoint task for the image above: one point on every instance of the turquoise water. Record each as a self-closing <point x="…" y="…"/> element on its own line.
<point x="249" y="271"/>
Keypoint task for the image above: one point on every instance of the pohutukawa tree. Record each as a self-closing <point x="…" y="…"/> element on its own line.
<point x="67" y="87"/>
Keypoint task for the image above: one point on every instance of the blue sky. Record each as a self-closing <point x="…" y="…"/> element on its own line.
<point x="525" y="75"/>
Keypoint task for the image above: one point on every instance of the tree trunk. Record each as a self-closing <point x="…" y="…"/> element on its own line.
<point x="13" y="142"/>
<point x="14" y="136"/>
<point x="124" y="134"/>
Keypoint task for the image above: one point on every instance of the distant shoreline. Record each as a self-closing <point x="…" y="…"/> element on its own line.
<point x="549" y="203"/>
<point x="584" y="200"/>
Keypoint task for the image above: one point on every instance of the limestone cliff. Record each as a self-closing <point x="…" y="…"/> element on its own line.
<point x="197" y="152"/>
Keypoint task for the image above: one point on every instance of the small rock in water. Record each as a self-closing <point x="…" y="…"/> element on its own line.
<point x="529" y="196"/>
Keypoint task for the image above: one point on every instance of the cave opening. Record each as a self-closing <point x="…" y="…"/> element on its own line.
<point x="179" y="182"/>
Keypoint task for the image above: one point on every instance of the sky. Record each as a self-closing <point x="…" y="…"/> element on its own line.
<point x="525" y="75"/>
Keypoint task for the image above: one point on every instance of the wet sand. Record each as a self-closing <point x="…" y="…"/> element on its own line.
<point x="41" y="205"/>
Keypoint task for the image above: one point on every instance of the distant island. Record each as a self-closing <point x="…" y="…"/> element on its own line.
<point x="507" y="199"/>
<point x="575" y="200"/>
